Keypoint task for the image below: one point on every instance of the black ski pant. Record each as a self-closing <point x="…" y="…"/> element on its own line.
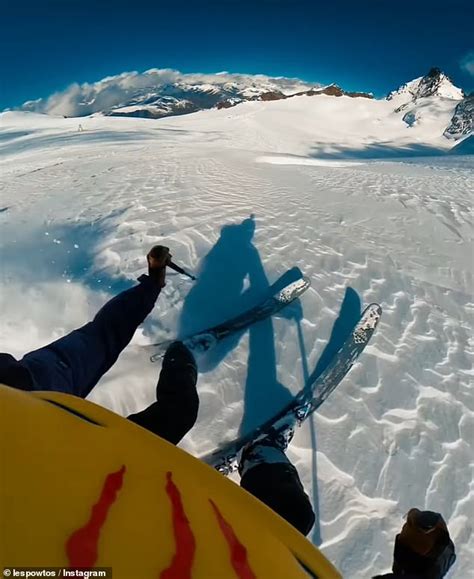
<point x="174" y="414"/>
<point x="279" y="487"/>
<point x="177" y="403"/>
<point x="76" y="362"/>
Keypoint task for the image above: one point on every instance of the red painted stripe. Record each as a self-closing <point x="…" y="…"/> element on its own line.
<point x="182" y="562"/>
<point x="82" y="545"/>
<point x="238" y="553"/>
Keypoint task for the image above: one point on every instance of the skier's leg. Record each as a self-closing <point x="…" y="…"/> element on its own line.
<point x="267" y="474"/>
<point x="75" y="363"/>
<point x="175" y="410"/>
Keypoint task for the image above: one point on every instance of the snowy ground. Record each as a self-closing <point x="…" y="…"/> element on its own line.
<point x="79" y="209"/>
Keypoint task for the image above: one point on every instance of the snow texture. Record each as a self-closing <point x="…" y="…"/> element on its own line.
<point x="338" y="188"/>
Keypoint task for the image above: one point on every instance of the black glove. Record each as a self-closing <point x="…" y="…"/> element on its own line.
<point x="423" y="548"/>
<point x="158" y="258"/>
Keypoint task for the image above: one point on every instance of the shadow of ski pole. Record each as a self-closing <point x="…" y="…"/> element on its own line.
<point x="348" y="317"/>
<point x="316" y="534"/>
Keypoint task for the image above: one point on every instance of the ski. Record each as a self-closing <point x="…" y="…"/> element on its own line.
<point x="309" y="399"/>
<point x="204" y="340"/>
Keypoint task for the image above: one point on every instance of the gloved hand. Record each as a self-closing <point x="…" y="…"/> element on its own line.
<point x="423" y="548"/>
<point x="158" y="258"/>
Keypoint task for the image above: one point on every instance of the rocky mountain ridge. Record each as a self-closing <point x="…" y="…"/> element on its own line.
<point x="163" y="93"/>
<point x="462" y="123"/>
<point x="331" y="90"/>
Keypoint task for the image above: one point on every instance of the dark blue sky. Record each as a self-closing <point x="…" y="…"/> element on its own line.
<point x="372" y="45"/>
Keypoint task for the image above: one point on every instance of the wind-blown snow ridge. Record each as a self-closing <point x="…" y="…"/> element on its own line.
<point x="397" y="432"/>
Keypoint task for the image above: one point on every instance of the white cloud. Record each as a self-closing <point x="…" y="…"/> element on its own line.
<point x="88" y="98"/>
<point x="467" y="63"/>
<point x="84" y="99"/>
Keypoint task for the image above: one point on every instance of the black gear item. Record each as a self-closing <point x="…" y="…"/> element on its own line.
<point x="157" y="259"/>
<point x="279" y="487"/>
<point x="175" y="410"/>
<point x="254" y="452"/>
<point x="423" y="548"/>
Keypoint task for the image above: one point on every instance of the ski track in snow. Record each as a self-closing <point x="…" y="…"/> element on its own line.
<point x="397" y="432"/>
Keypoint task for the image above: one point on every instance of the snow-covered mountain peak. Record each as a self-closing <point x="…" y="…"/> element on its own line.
<point x="435" y="83"/>
<point x="423" y="100"/>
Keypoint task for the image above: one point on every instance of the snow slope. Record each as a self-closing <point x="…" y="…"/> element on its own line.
<point x="79" y="209"/>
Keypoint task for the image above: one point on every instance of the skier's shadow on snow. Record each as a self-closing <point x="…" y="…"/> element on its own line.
<point x="348" y="317"/>
<point x="231" y="280"/>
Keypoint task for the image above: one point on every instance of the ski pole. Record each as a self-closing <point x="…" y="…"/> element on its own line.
<point x="180" y="270"/>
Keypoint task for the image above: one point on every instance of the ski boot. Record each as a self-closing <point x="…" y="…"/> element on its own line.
<point x="269" y="448"/>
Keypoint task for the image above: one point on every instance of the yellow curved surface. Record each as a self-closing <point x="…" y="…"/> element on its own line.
<point x="81" y="486"/>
